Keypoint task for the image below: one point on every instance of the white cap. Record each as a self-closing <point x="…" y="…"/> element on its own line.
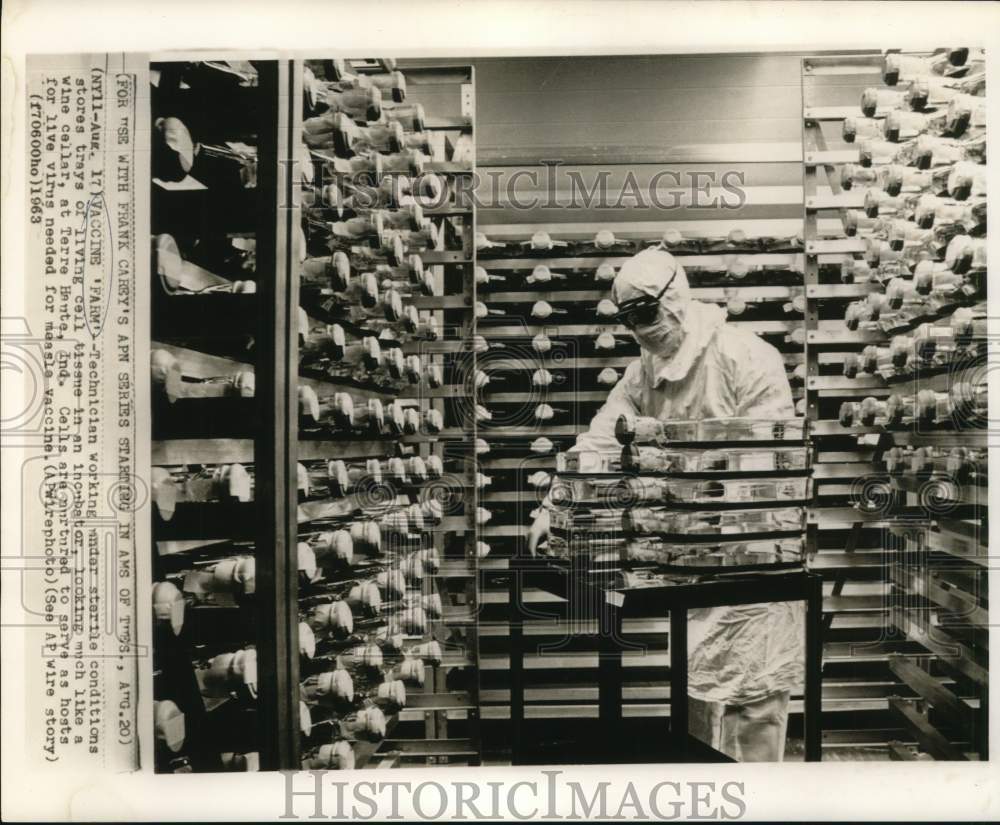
<point x="371" y="722"/>
<point x="367" y="595"/>
<point x="432" y="605"/>
<point x="335" y="616"/>
<point x="335" y="684"/>
<point x="412" y="568"/>
<point x="169" y="725"/>
<point x="413" y="621"/>
<point x="335" y="546"/>
<point x="542" y="445"/>
<point x="168" y="606"/>
<point x="540" y="274"/>
<point x="308" y="402"/>
<point x="367" y="656"/>
<point x="539" y="478"/>
<point x="338" y="756"/>
<point x="244" y="668"/>
<point x="410" y="670"/>
<point x="541" y="240"/>
<point x="235" y="575"/>
<point x="605" y="341"/>
<point x="607" y="308"/>
<point x="392" y="583"/>
<point x="605" y="272"/>
<point x="604" y="239"/>
<point x="608" y="377"/>
<point x="161" y="364"/>
<point x="307" y="561"/>
<point x="307" y="641"/>
<point x="544" y="412"/>
<point x="164" y="491"/>
<point x="393" y="691"/>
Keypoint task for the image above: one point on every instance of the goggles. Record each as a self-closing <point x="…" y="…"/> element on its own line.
<point x="642" y="311"/>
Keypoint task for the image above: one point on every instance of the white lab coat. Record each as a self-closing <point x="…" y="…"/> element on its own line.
<point x="736" y="654"/>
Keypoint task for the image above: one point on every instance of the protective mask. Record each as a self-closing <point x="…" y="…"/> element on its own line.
<point x="663" y="337"/>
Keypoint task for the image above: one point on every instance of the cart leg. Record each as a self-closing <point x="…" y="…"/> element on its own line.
<point x="678" y="682"/>
<point x="814" y="670"/>
<point x="609" y="672"/>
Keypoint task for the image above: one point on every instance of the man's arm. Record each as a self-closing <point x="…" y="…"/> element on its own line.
<point x="625" y="397"/>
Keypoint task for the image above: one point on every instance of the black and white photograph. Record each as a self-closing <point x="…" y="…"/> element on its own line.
<point x="639" y="409"/>
<point x="601" y="424"/>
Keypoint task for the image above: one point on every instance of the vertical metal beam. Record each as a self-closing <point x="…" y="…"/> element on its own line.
<point x="275" y="447"/>
<point x="810" y="273"/>
<point x="812" y="138"/>
<point x="813" y="704"/>
<point x="678" y="679"/>
<point x="609" y="669"/>
<point x="468" y="108"/>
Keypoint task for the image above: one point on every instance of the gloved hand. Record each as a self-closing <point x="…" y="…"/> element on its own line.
<point x="539" y="530"/>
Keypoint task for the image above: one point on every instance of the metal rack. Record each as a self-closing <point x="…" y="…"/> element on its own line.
<point x="439" y="725"/>
<point x="565" y="685"/>
<point x="281" y="445"/>
<point x="921" y="528"/>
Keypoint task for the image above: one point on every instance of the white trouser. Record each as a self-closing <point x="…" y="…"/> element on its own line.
<point x="753" y="732"/>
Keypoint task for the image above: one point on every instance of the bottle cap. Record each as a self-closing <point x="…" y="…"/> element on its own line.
<point x="605" y="272"/>
<point x="168" y="606"/>
<point x="608" y="377"/>
<point x="168" y="721"/>
<point x="307" y="641"/>
<point x="604" y="239"/>
<point x="540" y="274"/>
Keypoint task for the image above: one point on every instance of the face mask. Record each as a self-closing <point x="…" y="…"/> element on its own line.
<point x="662" y="337"/>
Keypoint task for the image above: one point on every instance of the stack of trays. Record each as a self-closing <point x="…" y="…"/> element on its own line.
<point x="722" y="495"/>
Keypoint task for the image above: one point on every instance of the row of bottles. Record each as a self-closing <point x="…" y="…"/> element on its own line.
<point x="965" y="404"/>
<point x="951" y="341"/>
<point x="924" y="218"/>
<point x="605" y="241"/>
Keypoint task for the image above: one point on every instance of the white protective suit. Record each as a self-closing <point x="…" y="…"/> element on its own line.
<point x="694" y="365"/>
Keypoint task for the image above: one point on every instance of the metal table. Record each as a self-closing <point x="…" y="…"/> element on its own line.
<point x="612" y="605"/>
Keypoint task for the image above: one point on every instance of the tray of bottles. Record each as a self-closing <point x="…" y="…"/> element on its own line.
<point x="590" y="493"/>
<point x="609" y="557"/>
<point x="736" y="503"/>
<point x="740" y="431"/>
<point x="635" y="459"/>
